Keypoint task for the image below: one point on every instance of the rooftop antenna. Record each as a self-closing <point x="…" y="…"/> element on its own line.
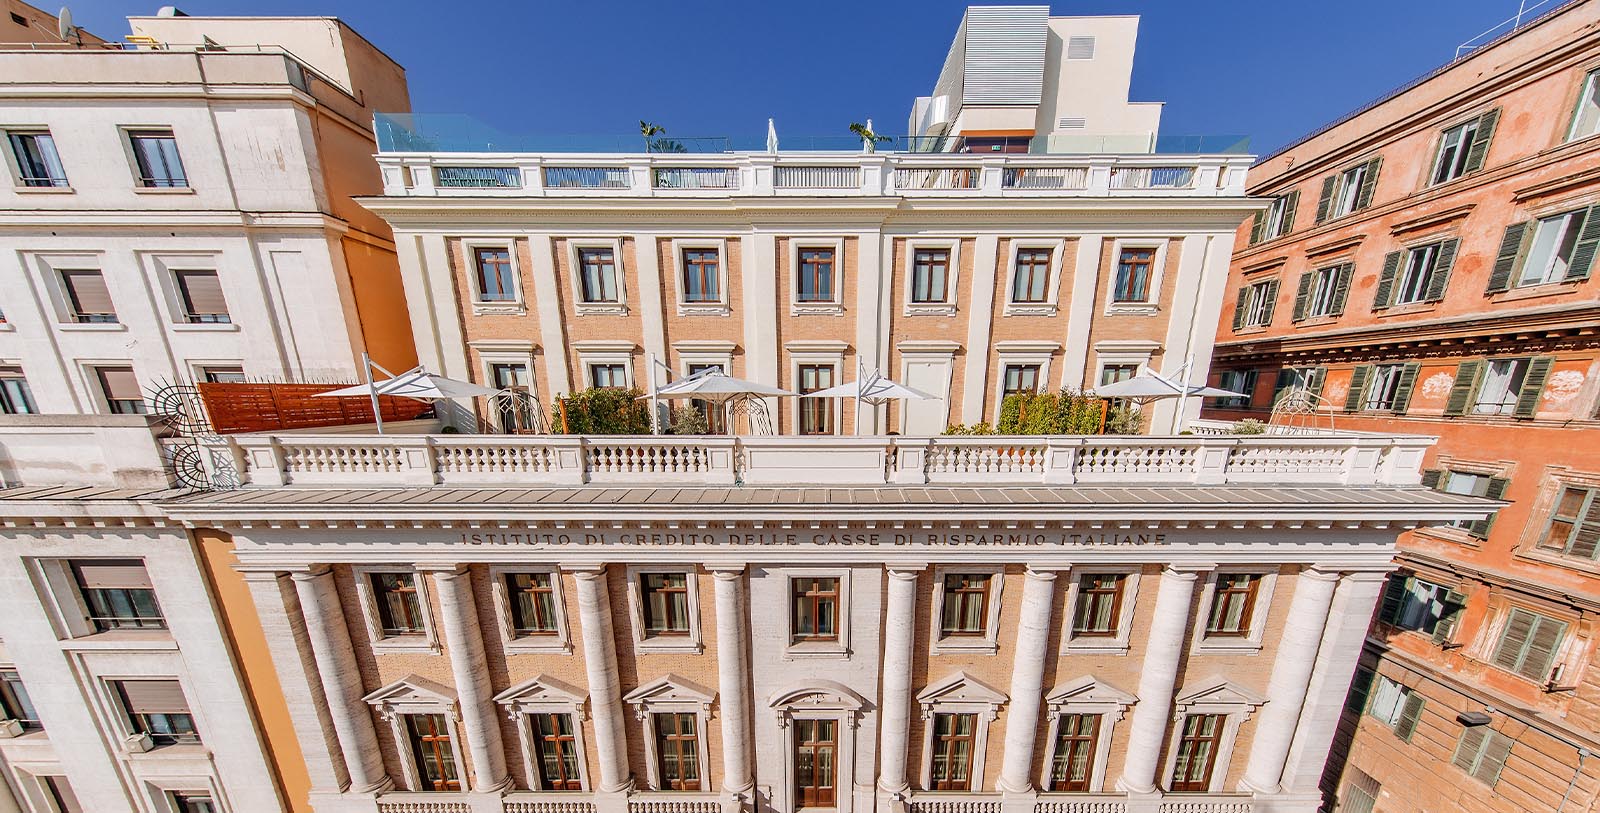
<point x="64" y="27"/>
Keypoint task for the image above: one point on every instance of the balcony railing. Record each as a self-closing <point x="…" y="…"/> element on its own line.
<point x="586" y="177"/>
<point x="478" y="177"/>
<point x="1046" y="178"/>
<point x="942" y="178"/>
<point x="1152" y="177"/>
<point x="816" y="177"/>
<point x="697" y="178"/>
<point x="674" y="803"/>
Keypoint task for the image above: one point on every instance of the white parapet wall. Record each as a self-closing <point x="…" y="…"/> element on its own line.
<point x="116" y="451"/>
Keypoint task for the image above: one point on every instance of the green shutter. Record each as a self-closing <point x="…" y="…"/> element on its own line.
<point x="1239" y="308"/>
<point x="1543" y="642"/>
<point x="1325" y="203"/>
<point x="1358" y="385"/>
<point x="1449" y="614"/>
<point x="1394" y="597"/>
<point x="1302" y="297"/>
<point x="1431" y="478"/>
<point x="1258" y="227"/>
<point x="1533" y="385"/>
<point x="1410" y="714"/>
<point x="1513" y="248"/>
<point x="1461" y="391"/>
<point x="1360" y="689"/>
<point x="1385" y="293"/>
<point x="1403" y="387"/>
<point x="1496" y="490"/>
<point x="1467" y="749"/>
<point x="1480" y="142"/>
<point x="1588" y="242"/>
<point x="1443" y="260"/>
<point x="1314" y="383"/>
<point x="1291" y="202"/>
<point x="1369" y="182"/>
<point x="1270" y="291"/>
<point x="1341" y="289"/>
<point x="1496" y="750"/>
<point x="1514" y="639"/>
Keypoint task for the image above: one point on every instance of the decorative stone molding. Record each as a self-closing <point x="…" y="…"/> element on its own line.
<point x="414" y="695"/>
<point x="669" y="693"/>
<point x="960" y="693"/>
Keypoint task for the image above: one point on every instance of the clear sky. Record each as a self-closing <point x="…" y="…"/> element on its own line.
<point x="1270" y="69"/>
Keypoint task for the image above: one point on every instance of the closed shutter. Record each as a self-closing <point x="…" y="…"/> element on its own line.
<point x="1404" y="387"/>
<point x="1291" y="202"/>
<point x="1385" y="293"/>
<point x="1270" y="291"/>
<point x="1496" y="749"/>
<point x="1533" y="386"/>
<point x="1410" y="714"/>
<point x="1314" y="383"/>
<point x="1358" y="386"/>
<point x="1302" y="296"/>
<point x="1461" y="391"/>
<point x="87" y="292"/>
<point x="1394" y="597"/>
<point x="1360" y="688"/>
<point x="1480" y="142"/>
<point x="1258" y="227"/>
<point x="1443" y="261"/>
<point x="153" y="697"/>
<point x="1542" y="645"/>
<point x="1325" y="202"/>
<point x="120" y="384"/>
<point x="1514" y="639"/>
<point x="202" y="292"/>
<point x="1449" y="614"/>
<point x="1467" y="749"/>
<point x="1513" y="249"/>
<point x="1431" y="478"/>
<point x="1369" y="182"/>
<point x="1586" y="539"/>
<point x="1496" y="490"/>
<point x="1239" y="307"/>
<point x="112" y="574"/>
<point x="1341" y="289"/>
<point x="1588" y="242"/>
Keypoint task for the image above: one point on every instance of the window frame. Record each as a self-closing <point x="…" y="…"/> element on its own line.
<point x="1418" y="273"/>
<point x="1251" y="375"/>
<point x="1347" y="190"/>
<point x="1495" y="640"/>
<point x="1251" y="641"/>
<point x="1572" y="226"/>
<point x="412" y="696"/>
<point x="984" y="642"/>
<point x="832" y="306"/>
<point x="575" y="249"/>
<point x="87" y="605"/>
<point x="943" y="307"/>
<point x="1261" y="306"/>
<point x="424" y="641"/>
<point x="1475" y="765"/>
<point x="541" y="696"/>
<point x="828" y="408"/>
<point x="1588" y="506"/>
<point x="1116" y="643"/>
<point x="703" y="307"/>
<point x="136" y="163"/>
<point x="643" y="641"/>
<point x="1234" y="704"/>
<point x="1050" y="304"/>
<point x="21" y="180"/>
<point x="1588" y="90"/>
<point x="1021" y="353"/>
<point x="557" y="642"/>
<point x="72" y="310"/>
<point x="1458" y="160"/>
<point x="1181" y="736"/>
<point x="1324" y="292"/>
<point x="137" y="729"/>
<point x="1151" y="303"/>
<point x="517" y="305"/>
<point x="15" y="701"/>
<point x="185" y="302"/>
<point x="1085" y="695"/>
<point x="673" y="695"/>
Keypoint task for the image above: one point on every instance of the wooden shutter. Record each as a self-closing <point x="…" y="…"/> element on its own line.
<point x="1302" y="297"/>
<point x="1513" y="638"/>
<point x="1586" y="536"/>
<point x="153" y="697"/>
<point x="1258" y="227"/>
<point x="1385" y="292"/>
<point x="1533" y="386"/>
<point x="1291" y="202"/>
<point x="87" y="291"/>
<point x="1410" y="713"/>
<point x="1469" y="746"/>
<point x="1480" y="141"/>
<point x="1270" y="291"/>
<point x="1431" y="478"/>
<point x="1461" y="391"/>
<point x="1394" y="597"/>
<point x="1513" y="250"/>
<point x="1443" y="260"/>
<point x="1325" y="202"/>
<point x="1403" y="387"/>
<point x="1588" y="242"/>
<point x="1341" y="289"/>
<point x="103" y="574"/>
<point x="1449" y="614"/>
<point x="1239" y="307"/>
<point x="1314" y="383"/>
<point x="1496" y="749"/>
<point x="1496" y="490"/>
<point x="1542" y="644"/>
<point x="202" y="292"/>
<point x="1358" y="385"/>
<point x="1360" y="688"/>
<point x="1369" y="182"/>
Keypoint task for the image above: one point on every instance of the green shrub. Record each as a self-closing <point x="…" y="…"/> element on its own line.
<point x="601" y="411"/>
<point x="1249" y="426"/>
<point x="688" y="420"/>
<point x="1124" y="420"/>
<point x="974" y="429"/>
<point x="1068" y="412"/>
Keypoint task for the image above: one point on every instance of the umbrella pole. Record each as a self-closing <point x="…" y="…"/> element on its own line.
<point x="655" y="403"/>
<point x="1183" y="394"/>
<point x="366" y="369"/>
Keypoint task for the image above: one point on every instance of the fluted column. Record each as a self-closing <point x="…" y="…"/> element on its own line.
<point x="1027" y="681"/>
<point x="733" y="675"/>
<point x="899" y="625"/>
<point x="1291" y="672"/>
<point x="1168" y="633"/>
<point x="605" y="689"/>
<point x="341" y="680"/>
<point x="458" y="609"/>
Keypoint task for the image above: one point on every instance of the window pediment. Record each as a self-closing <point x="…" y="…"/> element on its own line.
<point x="960" y="692"/>
<point x="1086" y="694"/>
<point x="542" y="694"/>
<point x="817" y="696"/>
<point x="1220" y="696"/>
<point x="414" y="695"/>
<point x="669" y="691"/>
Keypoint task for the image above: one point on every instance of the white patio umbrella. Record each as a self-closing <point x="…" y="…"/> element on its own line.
<point x="1150" y="386"/>
<point x="716" y="387"/>
<point x="414" y="383"/>
<point x="772" y="136"/>
<point x="871" y="389"/>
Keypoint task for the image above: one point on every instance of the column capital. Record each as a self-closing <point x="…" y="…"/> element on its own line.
<point x="310" y="572"/>
<point x="443" y="571"/>
<point x="585" y="572"/>
<point x="906" y="572"/>
<point x="726" y="572"/>
<point x="1187" y="571"/>
<point x="1045" y="574"/>
<point x="1321" y="573"/>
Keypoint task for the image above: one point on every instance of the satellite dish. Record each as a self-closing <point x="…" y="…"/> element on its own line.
<point x="64" y="25"/>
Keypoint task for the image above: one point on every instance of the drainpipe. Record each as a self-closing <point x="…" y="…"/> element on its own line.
<point x="1582" y="754"/>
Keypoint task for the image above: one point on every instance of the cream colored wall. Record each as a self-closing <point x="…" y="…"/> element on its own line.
<point x="1096" y="89"/>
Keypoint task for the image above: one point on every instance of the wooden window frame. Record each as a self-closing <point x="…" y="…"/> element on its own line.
<point x="423" y="641"/>
<point x="1114" y="303"/>
<point x="557" y="641"/>
<point x="1185" y="742"/>
<point x="1588" y="513"/>
<point x="981" y="641"/>
<point x="931" y="307"/>
<point x="816" y="416"/>
<point x="1251" y="641"/>
<point x="816" y="598"/>
<point x="1115" y="643"/>
<point x="1096" y="593"/>
<point x="676" y="741"/>
<point x="649" y="641"/>
<point x="417" y="742"/>
<point x="694" y="270"/>
<point x="498" y="260"/>
<point x="1076" y="741"/>
<point x="1250" y="591"/>
<point x="945" y="744"/>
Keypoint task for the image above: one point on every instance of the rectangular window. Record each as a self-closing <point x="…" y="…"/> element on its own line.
<point x="1325" y="300"/>
<point x="1500" y="387"/>
<point x="1134" y="267"/>
<point x="816" y="414"/>
<point x="1031" y="275"/>
<point x="816" y="282"/>
<point x="954" y="736"/>
<point x="496" y="281"/>
<point x="513" y="411"/>
<point x="158" y="708"/>
<point x="14" y="701"/>
<point x="1360" y="794"/>
<point x="1382" y="385"/>
<point x="1417" y="276"/>
<point x="555" y="751"/>
<point x="677" y="751"/>
<point x="1396" y="706"/>
<point x="1586" y="118"/>
<point x="597" y="273"/>
<point x="222" y="375"/>
<point x="1347" y="192"/>
<point x="1528" y="644"/>
<point x="930" y="273"/>
<point x="1240" y="381"/>
<point x="702" y="279"/>
<point x="118" y="594"/>
<point x="1298" y="379"/>
<point x="88" y="298"/>
<point x="431" y="749"/>
<point x="1072" y="766"/>
<point x="61" y="794"/>
<point x="533" y="603"/>
<point x="156" y="154"/>
<point x="966" y="604"/>
<point x="614" y="376"/>
<point x="1455" y="148"/>
<point x="1232" y="604"/>
<point x="15" y="396"/>
<point x="200" y="293"/>
<point x="1020" y="379"/>
<point x="1482" y="753"/>
<point x="1410" y="603"/>
<point x="816" y="609"/>
<point x="1256" y="303"/>
<point x="1112" y="373"/>
<point x="1574" y="528"/>
<point x="1471" y="484"/>
<point x="1099" y="607"/>
<point x="1197" y="753"/>
<point x="193" y="803"/>
<point x="1555" y="239"/>
<point x="666" y="603"/>
<point x="38" y="165"/>
<point x="399" y="603"/>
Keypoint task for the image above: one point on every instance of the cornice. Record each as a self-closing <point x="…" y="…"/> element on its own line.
<point x="1580" y="319"/>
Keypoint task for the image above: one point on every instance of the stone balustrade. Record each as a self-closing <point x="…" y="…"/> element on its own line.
<point x="662" y="802"/>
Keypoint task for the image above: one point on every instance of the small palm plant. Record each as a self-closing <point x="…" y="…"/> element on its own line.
<point x="869" y="139"/>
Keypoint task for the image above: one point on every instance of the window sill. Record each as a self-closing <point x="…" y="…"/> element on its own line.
<point x="1587" y="567"/>
<point x="404" y="644"/>
<point x="1320" y="320"/>
<point x="205" y="327"/>
<point x="1089" y="646"/>
<point x="44" y="190"/>
<point x="1135" y="309"/>
<point x="7" y="326"/>
<point x="1540" y="291"/>
<point x="1456" y="536"/>
<point x="816" y="309"/>
<point x="158" y="640"/>
<point x="91" y="327"/>
<point x="817" y="650"/>
<point x="534" y="645"/>
<point x="163" y="190"/>
<point x="930" y="310"/>
<point x="679" y="644"/>
<point x="187" y="752"/>
<point x="1405" y="310"/>
<point x="499" y="309"/>
<point x="1223" y="646"/>
<point x="600" y="309"/>
<point x="1030" y="309"/>
<point x="958" y="646"/>
<point x="710" y="309"/>
<point x="1251" y="330"/>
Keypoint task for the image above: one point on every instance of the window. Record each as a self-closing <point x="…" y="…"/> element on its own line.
<point x="1528" y="644"/>
<point x="200" y="293"/>
<point x="497" y="282"/>
<point x="155" y="152"/>
<point x="953" y="739"/>
<point x="815" y="752"/>
<point x="38" y="165"/>
<point x="117" y="594"/>
<point x="1031" y="276"/>
<point x="1197" y="753"/>
<point x="1381" y="387"/>
<point x="158" y="708"/>
<point x="15" y="703"/>
<point x="816" y="609"/>
<point x="1472" y="484"/>
<point x="1072" y="765"/>
<point x="966" y="604"/>
<point x="1277" y="220"/>
<point x="1241" y="381"/>
<point x="1112" y="373"/>
<point x="608" y="375"/>
<point x="513" y="411"/>
<point x="816" y="414"/>
<point x="1482" y="753"/>
<point x="222" y="375"/>
<point x="1507" y="386"/>
<point x="1348" y="191"/>
<point x="15" y="396"/>
<point x="1586" y="117"/>
<point x="597" y="275"/>
<point x="716" y="415"/>
<point x="930" y="271"/>
<point x="1360" y="793"/>
<point x="1410" y="603"/>
<point x="1574" y="528"/>
<point x="1232" y="604"/>
<point x="1099" y="608"/>
<point x="88" y="298"/>
<point x="1558" y="248"/>
<point x="816" y="282"/>
<point x="432" y="752"/>
<point x="1418" y="274"/>
<point x="533" y="603"/>
<point x="398" y="602"/>
<point x="1134" y="267"/>
<point x="702" y="278"/>
<point x="555" y="751"/>
<point x="1463" y="147"/>
<point x="1020" y="379"/>
<point x="1323" y="292"/>
<point x="193" y="803"/>
<point x="1298" y="379"/>
<point x="61" y="794"/>
<point x="666" y="603"/>
<point x="1255" y="305"/>
<point x="1501" y="385"/>
<point x="1396" y="706"/>
<point x="677" y="751"/>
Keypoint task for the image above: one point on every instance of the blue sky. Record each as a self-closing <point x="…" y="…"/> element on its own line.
<point x="1270" y="69"/>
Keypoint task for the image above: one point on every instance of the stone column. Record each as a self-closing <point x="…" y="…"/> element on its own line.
<point x="1291" y="672"/>
<point x="899" y="626"/>
<point x="733" y="676"/>
<point x="341" y="680"/>
<point x="1169" y="632"/>
<point x="458" y="609"/>
<point x="605" y="690"/>
<point x="1027" y="682"/>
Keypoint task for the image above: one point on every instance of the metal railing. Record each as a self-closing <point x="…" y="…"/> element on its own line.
<point x="1046" y="178"/>
<point x="478" y="177"/>
<point x="1152" y="177"/>
<point x="936" y="178"/>
<point x="785" y="177"/>
<point x="696" y="178"/>
<point x="586" y="178"/>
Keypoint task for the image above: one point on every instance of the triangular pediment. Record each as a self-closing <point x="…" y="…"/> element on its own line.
<point x="1220" y="692"/>
<point x="1088" y="690"/>
<point x="823" y="694"/>
<point x="671" y="688"/>
<point x="413" y="690"/>
<point x="960" y="688"/>
<point x="542" y="690"/>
